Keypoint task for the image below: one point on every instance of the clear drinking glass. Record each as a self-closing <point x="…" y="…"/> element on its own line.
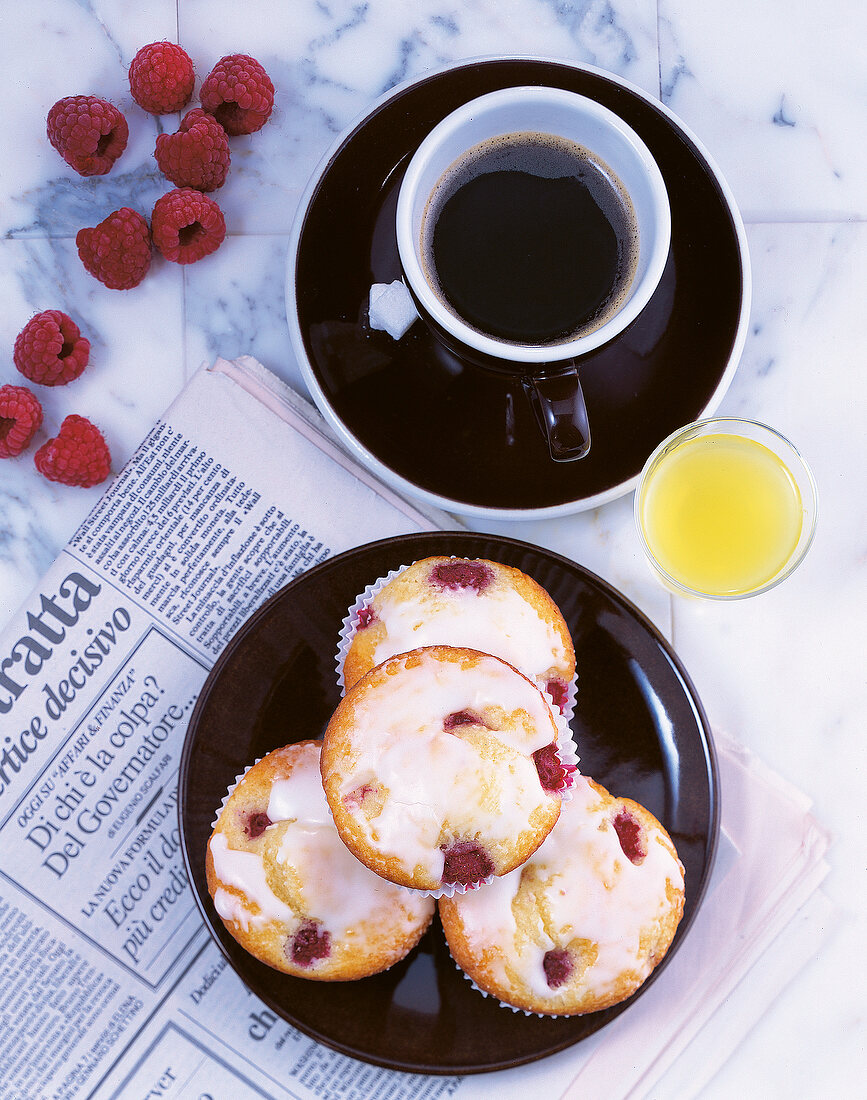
<point x="725" y="508"/>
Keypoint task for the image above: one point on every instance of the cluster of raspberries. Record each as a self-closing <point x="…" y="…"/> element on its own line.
<point x="237" y="97"/>
<point x="51" y="351"/>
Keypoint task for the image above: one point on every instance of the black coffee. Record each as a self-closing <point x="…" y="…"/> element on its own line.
<point x="530" y="239"/>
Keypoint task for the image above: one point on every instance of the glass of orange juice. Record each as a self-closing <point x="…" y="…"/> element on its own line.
<point x="725" y="508"/>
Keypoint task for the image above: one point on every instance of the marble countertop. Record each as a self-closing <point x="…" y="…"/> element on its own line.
<point x="776" y="91"/>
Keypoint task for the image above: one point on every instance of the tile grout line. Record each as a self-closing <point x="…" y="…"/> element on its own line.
<point x="658" y="58"/>
<point x="782" y="220"/>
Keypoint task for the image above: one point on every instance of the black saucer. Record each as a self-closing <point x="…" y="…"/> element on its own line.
<point x="640" y="730"/>
<point x="457" y="432"/>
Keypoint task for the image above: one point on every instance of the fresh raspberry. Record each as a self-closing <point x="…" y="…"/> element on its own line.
<point x="239" y="94"/>
<point x="20" y="419"/>
<point x="197" y="155"/>
<point x="50" y="349"/>
<point x="88" y="132"/>
<point x="118" y="250"/>
<point x="187" y="225"/>
<point x="78" y="455"/>
<point x="161" y="78"/>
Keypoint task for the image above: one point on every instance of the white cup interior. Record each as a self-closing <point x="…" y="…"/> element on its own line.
<point x="549" y="111"/>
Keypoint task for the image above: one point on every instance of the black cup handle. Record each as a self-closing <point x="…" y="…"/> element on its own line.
<point x="558" y="403"/>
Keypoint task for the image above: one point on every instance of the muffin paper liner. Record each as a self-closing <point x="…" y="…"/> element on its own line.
<point x="568" y="710"/>
<point x="566" y="750"/>
<point x="448" y="890"/>
<point x="347" y="630"/>
<point x="230" y="791"/>
<point x="566" y="747"/>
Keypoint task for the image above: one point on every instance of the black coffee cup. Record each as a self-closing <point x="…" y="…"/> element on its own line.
<point x="494" y="204"/>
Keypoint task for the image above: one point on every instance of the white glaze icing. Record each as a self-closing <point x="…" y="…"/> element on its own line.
<point x="438" y="779"/>
<point x="497" y="620"/>
<point x="300" y="797"/>
<point x="245" y="872"/>
<point x="336" y="889"/>
<point x="592" y="891"/>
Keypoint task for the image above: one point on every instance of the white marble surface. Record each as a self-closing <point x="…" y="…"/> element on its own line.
<point x="777" y="91"/>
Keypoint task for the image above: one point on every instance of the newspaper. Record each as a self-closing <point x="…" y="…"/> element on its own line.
<point x="110" y="985"/>
<point x="234" y="492"/>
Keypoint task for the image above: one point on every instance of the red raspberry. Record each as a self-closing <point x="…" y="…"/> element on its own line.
<point x="50" y="349"/>
<point x="310" y="943"/>
<point x="356" y="798"/>
<point x="461" y="574"/>
<point x="20" y="419"/>
<point x="558" y="967"/>
<point x="187" y="225"/>
<point x="118" y="250"/>
<point x="161" y="78"/>
<point x="78" y="455"/>
<point x="365" y="617"/>
<point x="197" y="155"/>
<point x="239" y="94"/>
<point x="88" y="132"/>
<point x="559" y="692"/>
<point x="554" y="775"/>
<point x="466" y="863"/>
<point x="631" y="836"/>
<point x="257" y="822"/>
<point x="461" y="718"/>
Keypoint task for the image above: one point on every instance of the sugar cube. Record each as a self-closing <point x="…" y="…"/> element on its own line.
<point x="391" y="308"/>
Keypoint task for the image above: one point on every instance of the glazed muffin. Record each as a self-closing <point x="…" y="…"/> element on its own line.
<point x="467" y="603"/>
<point x="581" y="925"/>
<point x="289" y="891"/>
<point x="442" y="768"/>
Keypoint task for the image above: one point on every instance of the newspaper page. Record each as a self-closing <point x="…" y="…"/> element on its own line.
<point x="109" y="984"/>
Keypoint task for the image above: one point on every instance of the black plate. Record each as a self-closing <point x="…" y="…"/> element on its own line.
<point x="640" y="729"/>
<point x="416" y="413"/>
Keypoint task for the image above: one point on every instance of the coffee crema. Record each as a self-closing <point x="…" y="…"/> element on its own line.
<point x="531" y="239"/>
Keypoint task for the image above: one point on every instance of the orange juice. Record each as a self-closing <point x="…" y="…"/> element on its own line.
<point x="721" y="514"/>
